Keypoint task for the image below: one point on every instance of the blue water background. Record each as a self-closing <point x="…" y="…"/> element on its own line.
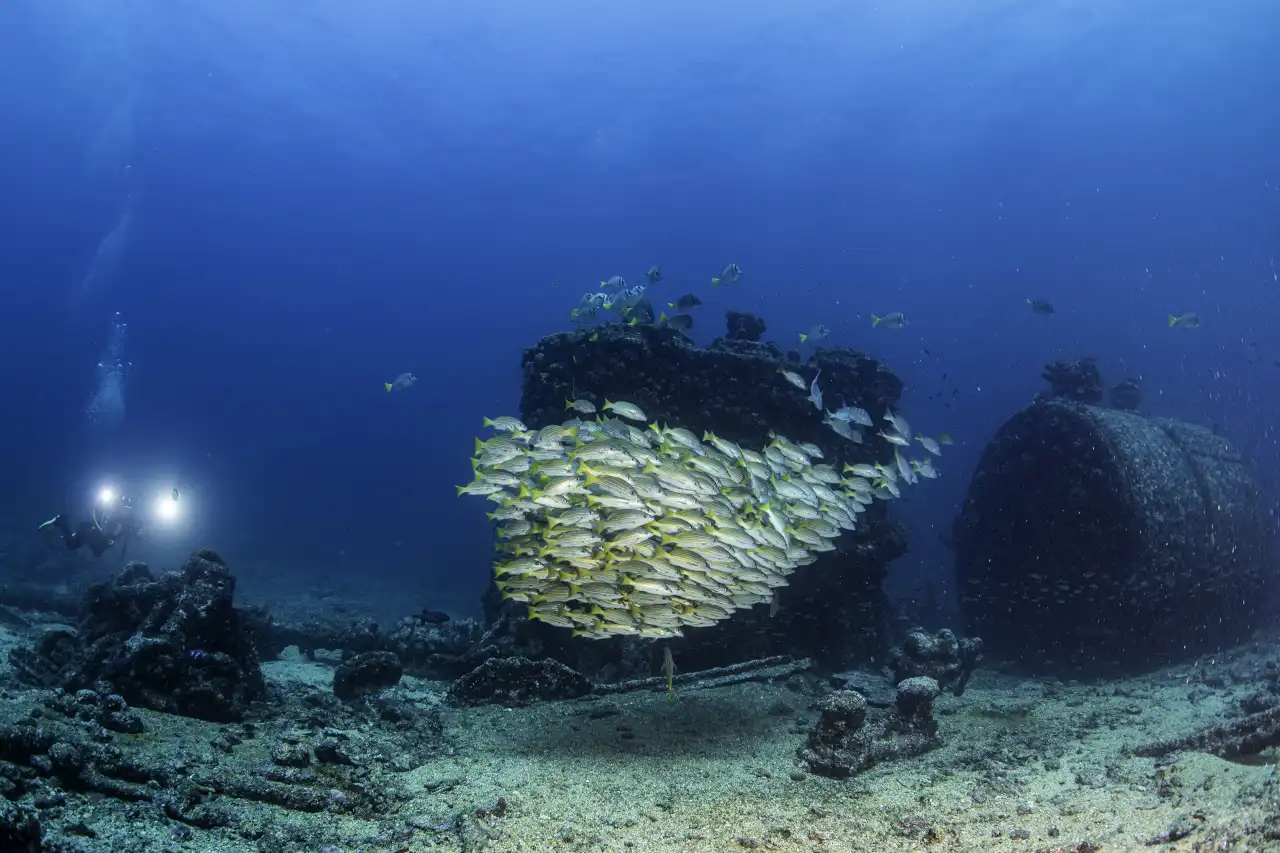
<point x="326" y="194"/>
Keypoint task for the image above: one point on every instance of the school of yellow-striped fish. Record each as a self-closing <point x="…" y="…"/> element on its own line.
<point x="608" y="528"/>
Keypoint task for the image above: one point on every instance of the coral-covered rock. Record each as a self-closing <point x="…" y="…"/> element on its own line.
<point x="366" y="673"/>
<point x="1080" y="381"/>
<point x="744" y="327"/>
<point x="174" y="643"/>
<point x="1126" y="394"/>
<point x="915" y="704"/>
<point x="943" y="657"/>
<point x="20" y="829"/>
<point x="518" y="681"/>
<point x="850" y="738"/>
<point x="89" y="706"/>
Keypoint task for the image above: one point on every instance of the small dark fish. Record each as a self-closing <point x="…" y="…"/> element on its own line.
<point x="684" y="303"/>
<point x="654" y="274"/>
<point x="432" y="617"/>
<point x="1040" y="306"/>
<point x="680" y="322"/>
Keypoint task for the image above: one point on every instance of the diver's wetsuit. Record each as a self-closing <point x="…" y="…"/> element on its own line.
<point x="121" y="526"/>
<point x="86" y="534"/>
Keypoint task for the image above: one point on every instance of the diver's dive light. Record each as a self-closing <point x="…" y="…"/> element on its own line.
<point x="167" y="508"/>
<point x="106" y="497"/>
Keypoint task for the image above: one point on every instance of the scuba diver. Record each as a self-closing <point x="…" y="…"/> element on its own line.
<point x="115" y="523"/>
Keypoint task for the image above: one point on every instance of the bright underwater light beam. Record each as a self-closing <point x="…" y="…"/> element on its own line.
<point x="167" y="510"/>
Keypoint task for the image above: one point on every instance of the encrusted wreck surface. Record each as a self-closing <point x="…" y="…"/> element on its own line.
<point x="1095" y="536"/>
<point x="833" y="610"/>
<point x="731" y="388"/>
<point x="174" y="643"/>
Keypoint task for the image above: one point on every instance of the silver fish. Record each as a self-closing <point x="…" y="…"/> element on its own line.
<point x="815" y="393"/>
<point x="892" y="320"/>
<point x="793" y="378"/>
<point x="852" y="414"/>
<point x="626" y="299"/>
<point x="729" y="275"/>
<point x="815" y="334"/>
<point x="400" y="383"/>
<point x="844" y="429"/>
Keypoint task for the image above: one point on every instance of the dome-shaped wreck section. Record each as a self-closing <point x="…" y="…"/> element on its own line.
<point x="1095" y="538"/>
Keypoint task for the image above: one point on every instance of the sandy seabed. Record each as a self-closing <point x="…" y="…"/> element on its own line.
<point x="1026" y="765"/>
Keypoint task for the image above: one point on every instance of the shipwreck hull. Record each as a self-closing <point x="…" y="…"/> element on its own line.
<point x="834" y="610"/>
<point x="1095" y="537"/>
